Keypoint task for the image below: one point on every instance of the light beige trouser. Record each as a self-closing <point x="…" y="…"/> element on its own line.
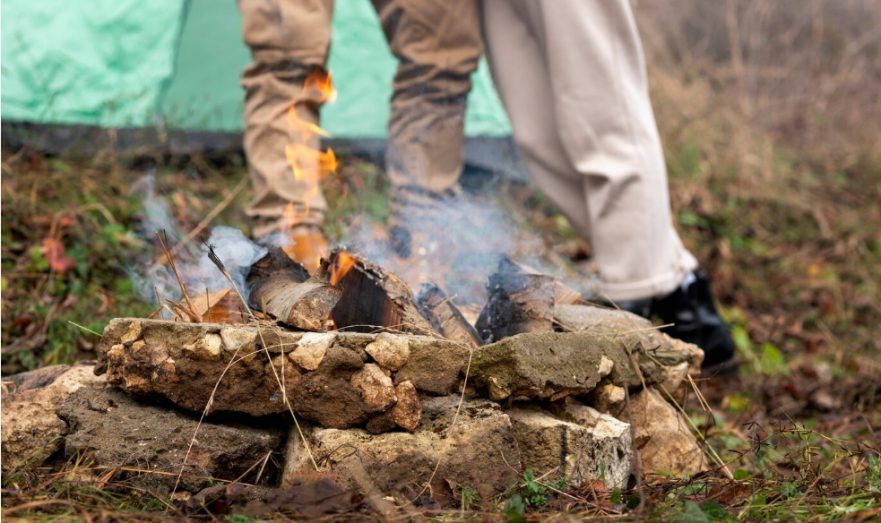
<point x="572" y="77"/>
<point x="437" y="43"/>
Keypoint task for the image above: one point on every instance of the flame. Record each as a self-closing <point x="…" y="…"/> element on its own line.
<point x="308" y="164"/>
<point x="341" y="266"/>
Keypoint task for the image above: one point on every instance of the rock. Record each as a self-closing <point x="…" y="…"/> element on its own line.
<point x="32" y="431"/>
<point x="114" y="431"/>
<point x="558" y="364"/>
<point x="380" y="423"/>
<point x="478" y="452"/>
<point x="330" y="401"/>
<point x="311" y="349"/>
<point x="389" y="350"/>
<point x="435" y="365"/>
<point x="377" y="389"/>
<point x="582" y="317"/>
<point x="609" y="397"/>
<point x="183" y="362"/>
<point x="549" y="365"/>
<point x="598" y="320"/>
<point x="674" y="377"/>
<point x="407" y="412"/>
<point x="588" y="446"/>
<point x="663" y="439"/>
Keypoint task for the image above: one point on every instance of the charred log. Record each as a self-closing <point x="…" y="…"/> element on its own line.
<point x="445" y="317"/>
<point x="373" y="299"/>
<point x="518" y="302"/>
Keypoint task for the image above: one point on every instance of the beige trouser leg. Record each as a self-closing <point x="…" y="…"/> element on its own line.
<point x="571" y="75"/>
<point x="437" y="43"/>
<point x="288" y="39"/>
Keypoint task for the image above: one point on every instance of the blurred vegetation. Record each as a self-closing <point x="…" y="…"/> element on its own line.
<point x="771" y="119"/>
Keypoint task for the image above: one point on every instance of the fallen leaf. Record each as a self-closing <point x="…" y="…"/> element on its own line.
<point x="53" y="251"/>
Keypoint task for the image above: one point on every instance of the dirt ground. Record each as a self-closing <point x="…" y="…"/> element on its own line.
<point x="775" y="183"/>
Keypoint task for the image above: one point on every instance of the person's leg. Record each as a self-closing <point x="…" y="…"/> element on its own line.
<point x="591" y="57"/>
<point x="516" y="58"/>
<point x="288" y="39"/>
<point x="438" y="45"/>
<point x="599" y="91"/>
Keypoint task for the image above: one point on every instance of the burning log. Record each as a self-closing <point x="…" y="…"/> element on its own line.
<point x="445" y="317"/>
<point x="282" y="288"/>
<point x="372" y="298"/>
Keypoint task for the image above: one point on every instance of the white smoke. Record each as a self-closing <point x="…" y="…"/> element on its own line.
<point x="155" y="280"/>
<point x="456" y="245"/>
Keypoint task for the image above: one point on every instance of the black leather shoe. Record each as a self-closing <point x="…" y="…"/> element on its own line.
<point x="692" y="311"/>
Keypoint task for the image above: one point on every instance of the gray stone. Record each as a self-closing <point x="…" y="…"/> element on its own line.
<point x="665" y="443"/>
<point x="148" y="444"/>
<point x="589" y="446"/>
<point x="479" y="452"/>
<point x="390" y="351"/>
<point x="32" y="431"/>
<point x="377" y="389"/>
<point x="559" y="364"/>
<point x="435" y="365"/>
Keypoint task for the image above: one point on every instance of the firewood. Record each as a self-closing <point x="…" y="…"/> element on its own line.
<point x="282" y="288"/>
<point x="222" y="306"/>
<point x="445" y="317"/>
<point x="372" y="298"/>
<point x="563" y="294"/>
<point x="518" y="302"/>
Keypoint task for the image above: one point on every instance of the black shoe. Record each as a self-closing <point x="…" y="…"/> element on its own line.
<point x="692" y="312"/>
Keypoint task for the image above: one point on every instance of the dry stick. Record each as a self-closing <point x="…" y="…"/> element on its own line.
<point x="90" y="331"/>
<point x="161" y="236"/>
<point x="213" y="257"/>
<point x="206" y="221"/>
<point x="710" y="451"/>
<point x="225" y="273"/>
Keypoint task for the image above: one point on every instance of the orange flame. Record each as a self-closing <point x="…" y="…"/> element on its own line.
<point x="341" y="266"/>
<point x="308" y="164"/>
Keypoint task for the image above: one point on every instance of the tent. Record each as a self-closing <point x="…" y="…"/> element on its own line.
<point x="174" y="65"/>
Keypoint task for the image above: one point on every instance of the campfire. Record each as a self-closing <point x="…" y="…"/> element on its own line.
<point x="410" y="386"/>
<point x="344" y="369"/>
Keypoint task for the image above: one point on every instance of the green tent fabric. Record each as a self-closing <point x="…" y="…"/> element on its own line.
<point x="131" y="63"/>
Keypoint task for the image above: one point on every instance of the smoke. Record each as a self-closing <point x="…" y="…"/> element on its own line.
<point x="457" y="243"/>
<point x="155" y="280"/>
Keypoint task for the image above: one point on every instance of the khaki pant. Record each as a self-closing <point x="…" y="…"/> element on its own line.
<point x="572" y="77"/>
<point x="437" y="43"/>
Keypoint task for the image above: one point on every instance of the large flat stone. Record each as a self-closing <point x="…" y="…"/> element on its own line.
<point x="148" y="444"/>
<point x="558" y="364"/>
<point x="671" y="352"/>
<point x="265" y="369"/>
<point x="32" y="431"/>
<point x="479" y="452"/>
<point x="589" y="446"/>
<point x="665" y="443"/>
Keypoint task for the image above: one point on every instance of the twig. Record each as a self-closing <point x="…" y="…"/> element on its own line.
<point x="162" y="237"/>
<point x="217" y="262"/>
<point x="90" y="331"/>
